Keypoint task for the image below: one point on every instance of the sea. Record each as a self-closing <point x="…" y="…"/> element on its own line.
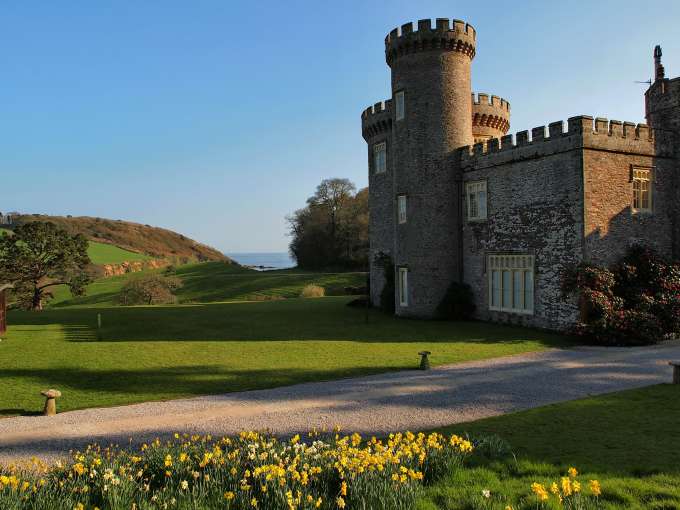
<point x="263" y="261"/>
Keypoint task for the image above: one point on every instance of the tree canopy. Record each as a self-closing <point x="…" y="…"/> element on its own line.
<point x="38" y="256"/>
<point x="332" y="229"/>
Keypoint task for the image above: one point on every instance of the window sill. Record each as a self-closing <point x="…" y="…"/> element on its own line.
<point x="515" y="312"/>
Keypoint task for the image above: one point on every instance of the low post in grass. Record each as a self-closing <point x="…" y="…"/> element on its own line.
<point x="424" y="360"/>
<point x="51" y="397"/>
<point x="676" y="371"/>
<point x="99" y="326"/>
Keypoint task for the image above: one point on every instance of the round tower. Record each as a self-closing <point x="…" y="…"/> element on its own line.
<point x="431" y="117"/>
<point x="490" y="118"/>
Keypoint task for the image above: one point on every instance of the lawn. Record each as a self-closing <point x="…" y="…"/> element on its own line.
<point x="156" y="353"/>
<point x="630" y="441"/>
<point x="210" y="282"/>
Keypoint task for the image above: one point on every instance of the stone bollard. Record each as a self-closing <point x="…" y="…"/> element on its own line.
<point x="51" y="397"/>
<point x="424" y="362"/>
<point x="676" y="371"/>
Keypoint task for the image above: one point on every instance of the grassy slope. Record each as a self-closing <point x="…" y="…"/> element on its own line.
<point x="630" y="441"/>
<point x="217" y="281"/>
<point x="102" y="253"/>
<point x="150" y="353"/>
<point x="152" y="241"/>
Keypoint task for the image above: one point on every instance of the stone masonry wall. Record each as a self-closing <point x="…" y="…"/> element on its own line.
<point x="611" y="224"/>
<point x="534" y="207"/>
<point x="376" y="128"/>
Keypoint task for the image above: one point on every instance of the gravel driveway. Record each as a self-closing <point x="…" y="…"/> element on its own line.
<point x="372" y="405"/>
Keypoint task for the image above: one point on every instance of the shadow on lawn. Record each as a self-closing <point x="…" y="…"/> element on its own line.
<point x="296" y="319"/>
<point x="168" y="383"/>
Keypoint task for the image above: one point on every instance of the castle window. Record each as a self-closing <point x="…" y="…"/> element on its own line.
<point x="401" y="208"/>
<point x="511" y="283"/>
<point x="380" y="157"/>
<point x="475" y="193"/>
<point x="403" y="286"/>
<point x="399" y="102"/>
<point x="642" y="190"/>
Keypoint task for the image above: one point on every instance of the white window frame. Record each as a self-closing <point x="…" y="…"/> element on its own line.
<point x="402" y="205"/>
<point x="641" y="178"/>
<point x="476" y="206"/>
<point x="517" y="272"/>
<point x="380" y="157"/>
<point x="399" y="105"/>
<point x="402" y="279"/>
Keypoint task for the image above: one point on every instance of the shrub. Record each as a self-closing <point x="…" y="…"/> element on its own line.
<point x="312" y="291"/>
<point x="634" y="302"/>
<point x="458" y="303"/>
<point x="151" y="289"/>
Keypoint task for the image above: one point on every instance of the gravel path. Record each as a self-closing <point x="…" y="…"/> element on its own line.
<point x="371" y="405"/>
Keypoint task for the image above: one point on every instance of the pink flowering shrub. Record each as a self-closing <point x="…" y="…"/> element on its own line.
<point x="634" y="302"/>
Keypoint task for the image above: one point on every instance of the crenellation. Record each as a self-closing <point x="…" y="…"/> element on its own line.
<point x="538" y="134"/>
<point x="616" y="128"/>
<point x="556" y="129"/>
<point x="376" y="119"/>
<point x="450" y="36"/>
<point x="507" y="142"/>
<point x="629" y="130"/>
<point x="493" y="145"/>
<point x="522" y="138"/>
<point x="601" y="125"/>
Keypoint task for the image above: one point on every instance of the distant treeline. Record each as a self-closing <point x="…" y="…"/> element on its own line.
<point x="331" y="231"/>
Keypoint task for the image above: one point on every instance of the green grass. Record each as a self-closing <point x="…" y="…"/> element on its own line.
<point x="103" y="253"/>
<point x="156" y="353"/>
<point x="630" y="441"/>
<point x="216" y="281"/>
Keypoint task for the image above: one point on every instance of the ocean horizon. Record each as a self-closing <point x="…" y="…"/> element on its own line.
<point x="266" y="260"/>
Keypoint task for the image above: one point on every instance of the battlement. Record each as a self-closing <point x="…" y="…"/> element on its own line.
<point x="490" y="116"/>
<point x="376" y="119"/>
<point x="447" y="35"/>
<point x="582" y="132"/>
<point x="484" y="99"/>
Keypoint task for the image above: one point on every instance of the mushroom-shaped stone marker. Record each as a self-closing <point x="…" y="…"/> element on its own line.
<point x="51" y="397"/>
<point x="676" y="371"/>
<point x="424" y="362"/>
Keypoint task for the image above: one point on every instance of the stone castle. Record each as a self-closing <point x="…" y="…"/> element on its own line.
<point x="453" y="198"/>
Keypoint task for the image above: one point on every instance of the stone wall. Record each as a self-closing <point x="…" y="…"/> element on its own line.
<point x="534" y="207"/>
<point x="611" y="224"/>
<point x="377" y="128"/>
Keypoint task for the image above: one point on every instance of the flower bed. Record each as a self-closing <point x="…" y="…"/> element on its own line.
<point x="248" y="471"/>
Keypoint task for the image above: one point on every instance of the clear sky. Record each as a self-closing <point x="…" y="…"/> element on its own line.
<point x="218" y="118"/>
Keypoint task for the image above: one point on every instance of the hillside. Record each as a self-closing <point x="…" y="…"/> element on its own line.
<point x="141" y="239"/>
<point x="211" y="282"/>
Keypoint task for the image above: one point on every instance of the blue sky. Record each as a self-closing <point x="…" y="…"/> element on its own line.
<point x="217" y="118"/>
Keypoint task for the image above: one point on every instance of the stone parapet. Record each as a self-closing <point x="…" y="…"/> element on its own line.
<point x="376" y="119"/>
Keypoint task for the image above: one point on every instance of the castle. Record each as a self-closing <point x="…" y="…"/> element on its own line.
<point x="454" y="198"/>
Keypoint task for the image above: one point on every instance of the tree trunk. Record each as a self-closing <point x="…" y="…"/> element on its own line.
<point x="36" y="305"/>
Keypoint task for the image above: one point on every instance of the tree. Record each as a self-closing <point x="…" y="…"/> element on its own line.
<point x="332" y="230"/>
<point x="151" y="289"/>
<point x="39" y="256"/>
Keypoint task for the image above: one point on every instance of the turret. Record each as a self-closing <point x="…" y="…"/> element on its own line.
<point x="490" y="117"/>
<point x="431" y="118"/>
<point x="662" y="109"/>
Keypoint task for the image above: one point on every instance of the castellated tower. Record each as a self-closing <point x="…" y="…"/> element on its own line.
<point x="415" y="196"/>
<point x="490" y="118"/>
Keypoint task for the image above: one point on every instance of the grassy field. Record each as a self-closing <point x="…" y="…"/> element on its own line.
<point x="102" y="253"/>
<point x="211" y="282"/>
<point x="155" y="353"/>
<point x="630" y="441"/>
